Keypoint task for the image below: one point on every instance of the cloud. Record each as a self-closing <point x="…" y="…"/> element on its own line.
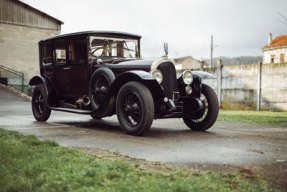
<point x="186" y="25"/>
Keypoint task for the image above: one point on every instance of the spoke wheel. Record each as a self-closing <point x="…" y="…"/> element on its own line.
<point x="39" y="102"/>
<point x="132" y="109"/>
<point x="135" y="108"/>
<point x="205" y="118"/>
<point x="200" y="116"/>
<point x="40" y="108"/>
<point x="100" y="83"/>
<point x="100" y="89"/>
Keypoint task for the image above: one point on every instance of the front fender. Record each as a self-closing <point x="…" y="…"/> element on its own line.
<point x="203" y="74"/>
<point x="51" y="93"/>
<point x="107" y="108"/>
<point x="145" y="78"/>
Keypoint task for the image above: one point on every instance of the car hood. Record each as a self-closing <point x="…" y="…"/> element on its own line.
<point x="152" y="64"/>
<point x="120" y="65"/>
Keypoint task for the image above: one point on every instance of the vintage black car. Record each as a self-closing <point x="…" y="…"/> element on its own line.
<point x="100" y="73"/>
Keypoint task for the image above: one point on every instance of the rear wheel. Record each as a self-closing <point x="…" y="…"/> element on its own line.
<point x="135" y="108"/>
<point x="40" y="108"/>
<point x="99" y="86"/>
<point x="205" y="118"/>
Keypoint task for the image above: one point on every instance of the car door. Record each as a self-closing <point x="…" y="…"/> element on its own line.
<point x="61" y="68"/>
<point x="78" y="66"/>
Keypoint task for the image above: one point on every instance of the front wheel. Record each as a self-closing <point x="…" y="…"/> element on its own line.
<point x="40" y="108"/>
<point x="135" y="108"/>
<point x="205" y="118"/>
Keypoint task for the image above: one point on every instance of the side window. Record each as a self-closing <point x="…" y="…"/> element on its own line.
<point x="272" y="59"/>
<point x="282" y="58"/>
<point x="60" y="51"/>
<point x="47" y="53"/>
<point x="77" y="50"/>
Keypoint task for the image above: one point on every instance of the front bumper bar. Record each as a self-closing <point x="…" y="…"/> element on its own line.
<point x="184" y="107"/>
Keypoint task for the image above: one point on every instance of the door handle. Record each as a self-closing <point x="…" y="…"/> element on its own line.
<point x="66" y="68"/>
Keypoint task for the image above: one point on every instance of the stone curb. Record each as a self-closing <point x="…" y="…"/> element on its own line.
<point x="16" y="92"/>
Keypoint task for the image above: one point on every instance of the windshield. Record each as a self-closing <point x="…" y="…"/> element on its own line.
<point x="113" y="47"/>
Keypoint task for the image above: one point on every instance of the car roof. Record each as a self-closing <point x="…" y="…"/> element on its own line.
<point x="93" y="32"/>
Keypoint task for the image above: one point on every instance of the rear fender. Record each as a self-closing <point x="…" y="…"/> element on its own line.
<point x="53" y="100"/>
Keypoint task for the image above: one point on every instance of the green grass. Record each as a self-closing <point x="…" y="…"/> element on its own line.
<point x="261" y="117"/>
<point x="29" y="164"/>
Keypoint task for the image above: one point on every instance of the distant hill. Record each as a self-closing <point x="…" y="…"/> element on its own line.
<point x="243" y="60"/>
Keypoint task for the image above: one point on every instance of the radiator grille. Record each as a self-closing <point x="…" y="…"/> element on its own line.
<point x="169" y="82"/>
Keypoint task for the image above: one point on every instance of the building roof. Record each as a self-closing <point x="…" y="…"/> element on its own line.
<point x="37" y="10"/>
<point x="277" y="42"/>
<point x="16" y="12"/>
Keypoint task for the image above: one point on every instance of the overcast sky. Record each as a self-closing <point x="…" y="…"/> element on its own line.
<point x="239" y="27"/>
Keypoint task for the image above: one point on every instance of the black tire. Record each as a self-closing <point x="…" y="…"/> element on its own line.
<point x="206" y="118"/>
<point x="95" y="117"/>
<point x="40" y="108"/>
<point x="99" y="86"/>
<point x="135" y="108"/>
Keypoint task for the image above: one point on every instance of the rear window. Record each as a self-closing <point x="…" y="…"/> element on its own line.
<point x="47" y="53"/>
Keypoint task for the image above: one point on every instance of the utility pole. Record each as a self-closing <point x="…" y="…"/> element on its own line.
<point x="211" y="51"/>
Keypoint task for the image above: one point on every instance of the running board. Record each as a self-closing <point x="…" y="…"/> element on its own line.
<point x="80" y="111"/>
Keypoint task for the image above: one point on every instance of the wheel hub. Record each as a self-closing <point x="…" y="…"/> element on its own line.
<point x="132" y="109"/>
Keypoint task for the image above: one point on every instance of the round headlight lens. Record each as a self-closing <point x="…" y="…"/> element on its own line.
<point x="157" y="75"/>
<point x="187" y="77"/>
<point x="188" y="90"/>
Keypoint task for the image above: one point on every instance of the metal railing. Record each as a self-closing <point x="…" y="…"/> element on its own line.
<point x="14" y="79"/>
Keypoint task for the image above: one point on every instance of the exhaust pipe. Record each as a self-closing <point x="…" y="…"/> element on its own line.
<point x="86" y="100"/>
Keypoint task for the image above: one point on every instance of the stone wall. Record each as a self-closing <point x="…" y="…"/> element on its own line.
<point x="239" y="86"/>
<point x="19" y="47"/>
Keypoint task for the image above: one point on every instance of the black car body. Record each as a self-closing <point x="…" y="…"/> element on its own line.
<point x="100" y="73"/>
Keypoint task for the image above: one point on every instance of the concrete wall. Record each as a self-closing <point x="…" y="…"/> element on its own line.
<point x="239" y="86"/>
<point x="274" y="87"/>
<point x="19" y="47"/>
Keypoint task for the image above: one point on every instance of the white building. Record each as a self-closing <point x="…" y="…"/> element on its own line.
<point x="276" y="50"/>
<point x="188" y="62"/>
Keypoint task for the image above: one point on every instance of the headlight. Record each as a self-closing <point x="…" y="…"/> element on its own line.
<point x="188" y="90"/>
<point x="187" y="77"/>
<point x="157" y="75"/>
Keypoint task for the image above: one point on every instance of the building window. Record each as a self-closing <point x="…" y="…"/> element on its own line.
<point x="282" y="58"/>
<point x="272" y="59"/>
<point x="60" y="51"/>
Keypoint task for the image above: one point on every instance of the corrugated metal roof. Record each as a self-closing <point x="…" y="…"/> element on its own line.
<point x="45" y="14"/>
<point x="16" y="12"/>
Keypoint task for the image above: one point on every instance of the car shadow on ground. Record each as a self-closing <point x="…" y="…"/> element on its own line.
<point x="154" y="132"/>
